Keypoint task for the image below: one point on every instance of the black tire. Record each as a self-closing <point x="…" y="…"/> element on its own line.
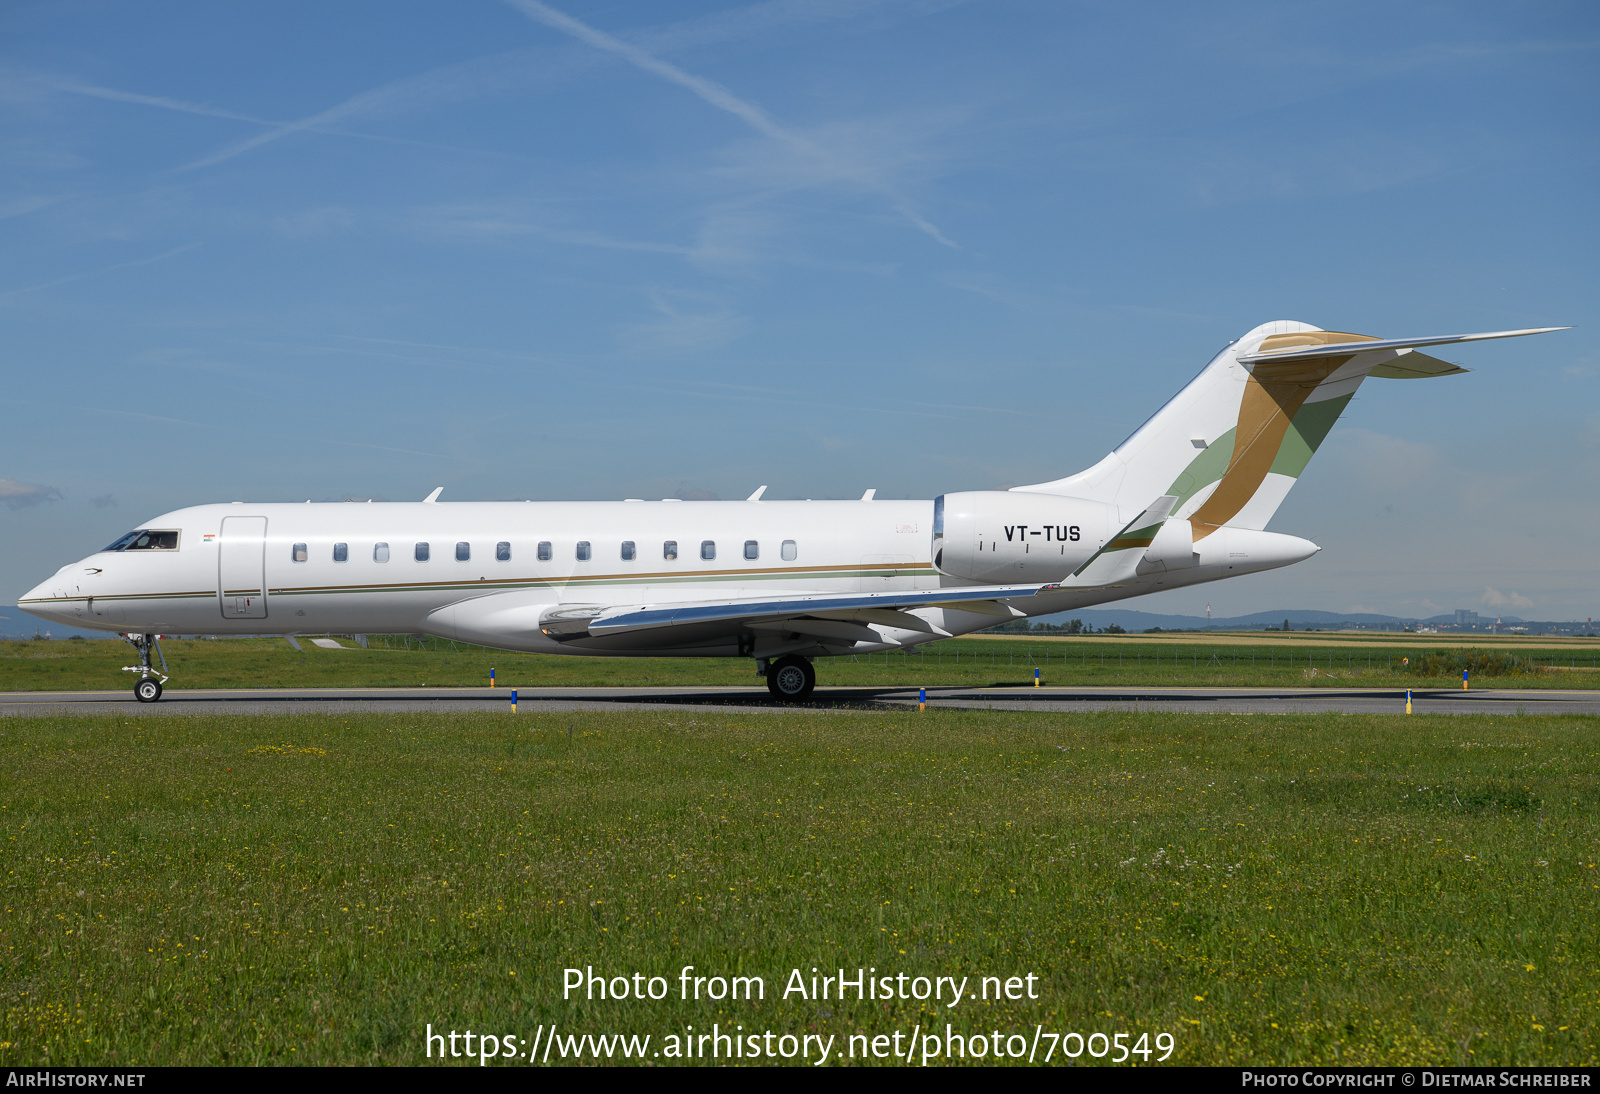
<point x="147" y="690"/>
<point x="791" y="679"/>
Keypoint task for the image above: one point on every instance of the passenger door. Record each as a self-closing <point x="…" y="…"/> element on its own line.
<point x="241" y="568"/>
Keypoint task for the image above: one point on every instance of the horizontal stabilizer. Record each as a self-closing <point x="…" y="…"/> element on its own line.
<point x="1355" y="343"/>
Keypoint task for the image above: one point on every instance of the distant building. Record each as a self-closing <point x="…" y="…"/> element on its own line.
<point x="1465" y="618"/>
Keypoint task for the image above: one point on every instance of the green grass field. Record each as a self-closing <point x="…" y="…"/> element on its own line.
<point x="1297" y="660"/>
<point x="1267" y="889"/>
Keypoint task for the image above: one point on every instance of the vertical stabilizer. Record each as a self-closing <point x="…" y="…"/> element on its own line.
<point x="1230" y="445"/>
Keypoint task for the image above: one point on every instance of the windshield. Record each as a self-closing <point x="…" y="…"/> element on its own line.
<point x="146" y="539"/>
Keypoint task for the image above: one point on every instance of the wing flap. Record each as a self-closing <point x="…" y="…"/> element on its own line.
<point x="838" y="630"/>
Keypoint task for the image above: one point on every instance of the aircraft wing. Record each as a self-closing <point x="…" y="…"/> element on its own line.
<point x="846" y="615"/>
<point x="511" y="618"/>
<point x="830" y="618"/>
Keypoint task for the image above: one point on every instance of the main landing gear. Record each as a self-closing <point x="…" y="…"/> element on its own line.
<point x="791" y="678"/>
<point x="147" y="689"/>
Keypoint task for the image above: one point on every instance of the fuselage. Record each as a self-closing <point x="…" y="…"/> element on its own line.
<point x="386" y="567"/>
<point x="432" y="568"/>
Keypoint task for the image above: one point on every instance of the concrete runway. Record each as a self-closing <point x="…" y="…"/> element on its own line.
<point x="534" y="701"/>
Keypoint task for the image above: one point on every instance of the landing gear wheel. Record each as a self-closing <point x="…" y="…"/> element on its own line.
<point x="147" y="689"/>
<point x="791" y="679"/>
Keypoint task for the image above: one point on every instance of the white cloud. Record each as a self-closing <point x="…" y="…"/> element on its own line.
<point x="1497" y="599"/>
<point x="686" y="321"/>
<point x="499" y="222"/>
<point x="18" y="207"/>
<point x="1383" y="463"/>
<point x="20" y="495"/>
<point x="1211" y="176"/>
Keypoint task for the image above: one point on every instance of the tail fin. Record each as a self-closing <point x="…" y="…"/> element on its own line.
<point x="1231" y="444"/>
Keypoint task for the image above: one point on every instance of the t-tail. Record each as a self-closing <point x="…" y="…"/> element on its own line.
<point x="1188" y="496"/>
<point x="1231" y="444"/>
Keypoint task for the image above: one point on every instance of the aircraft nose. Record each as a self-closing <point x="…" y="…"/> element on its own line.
<point x="48" y="600"/>
<point x="39" y="592"/>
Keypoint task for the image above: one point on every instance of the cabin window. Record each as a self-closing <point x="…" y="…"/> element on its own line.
<point x="146" y="539"/>
<point x="583" y="550"/>
<point x="341" y="552"/>
<point x="422" y="552"/>
<point x="708" y="549"/>
<point x="502" y="551"/>
<point x="299" y="554"/>
<point x="789" y="552"/>
<point x="752" y="549"/>
<point x="544" y="551"/>
<point x="669" y="550"/>
<point x="627" y="550"/>
<point x="380" y="552"/>
<point x="463" y="552"/>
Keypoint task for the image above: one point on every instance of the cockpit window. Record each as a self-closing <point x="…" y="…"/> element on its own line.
<point x="146" y="539"/>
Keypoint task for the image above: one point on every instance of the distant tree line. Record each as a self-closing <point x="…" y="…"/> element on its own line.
<point x="1071" y="626"/>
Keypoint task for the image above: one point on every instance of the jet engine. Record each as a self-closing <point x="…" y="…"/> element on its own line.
<point x="1003" y="537"/>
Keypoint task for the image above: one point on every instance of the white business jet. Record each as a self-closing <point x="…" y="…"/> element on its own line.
<point x="1184" y="500"/>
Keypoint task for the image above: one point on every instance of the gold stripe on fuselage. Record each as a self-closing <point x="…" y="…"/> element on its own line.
<point x="830" y="572"/>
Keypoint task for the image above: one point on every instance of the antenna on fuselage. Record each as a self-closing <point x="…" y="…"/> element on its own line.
<point x="433" y="497"/>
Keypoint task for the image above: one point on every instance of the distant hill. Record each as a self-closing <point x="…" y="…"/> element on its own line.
<point x="1299" y="619"/>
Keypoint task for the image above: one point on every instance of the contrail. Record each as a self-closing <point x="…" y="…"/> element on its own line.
<point x="279" y="128"/>
<point x="350" y="106"/>
<point x="113" y="95"/>
<point x="104" y="270"/>
<point x="721" y="98"/>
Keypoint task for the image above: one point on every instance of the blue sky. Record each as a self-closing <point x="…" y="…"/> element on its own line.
<point x="606" y="249"/>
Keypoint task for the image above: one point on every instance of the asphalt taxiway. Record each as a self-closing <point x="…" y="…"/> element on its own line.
<point x="532" y="701"/>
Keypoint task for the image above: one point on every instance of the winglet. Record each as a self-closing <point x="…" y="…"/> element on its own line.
<point x="757" y="495"/>
<point x="433" y="497"/>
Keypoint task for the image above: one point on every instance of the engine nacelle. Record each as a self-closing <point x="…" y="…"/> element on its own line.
<point x="1007" y="538"/>
<point x="1171" y="549"/>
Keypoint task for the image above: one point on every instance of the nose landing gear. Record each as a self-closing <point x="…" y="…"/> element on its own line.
<point x="147" y="689"/>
